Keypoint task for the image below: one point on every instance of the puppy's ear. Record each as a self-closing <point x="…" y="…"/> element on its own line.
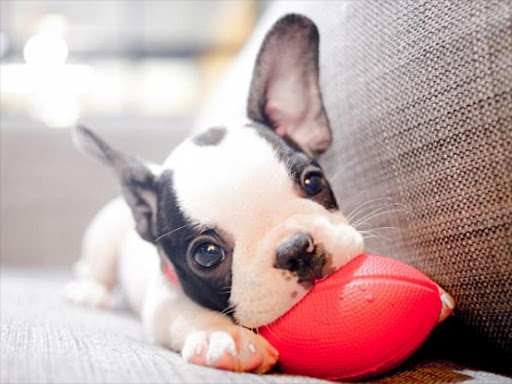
<point x="284" y="92"/>
<point x="137" y="181"/>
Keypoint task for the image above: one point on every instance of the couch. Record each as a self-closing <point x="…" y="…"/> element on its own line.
<point x="419" y="96"/>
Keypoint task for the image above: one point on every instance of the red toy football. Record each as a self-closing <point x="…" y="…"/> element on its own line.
<point x="363" y="320"/>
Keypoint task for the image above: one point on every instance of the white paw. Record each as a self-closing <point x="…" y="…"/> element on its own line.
<point x="236" y="350"/>
<point x="88" y="292"/>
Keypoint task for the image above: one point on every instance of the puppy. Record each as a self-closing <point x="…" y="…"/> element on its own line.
<point x="234" y="227"/>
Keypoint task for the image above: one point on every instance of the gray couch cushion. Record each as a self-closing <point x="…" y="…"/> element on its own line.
<point x="45" y="340"/>
<point x="420" y="97"/>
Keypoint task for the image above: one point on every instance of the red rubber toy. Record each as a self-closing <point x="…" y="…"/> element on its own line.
<point x="362" y="321"/>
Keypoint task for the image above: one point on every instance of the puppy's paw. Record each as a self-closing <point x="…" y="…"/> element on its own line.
<point x="448" y="305"/>
<point x="88" y="292"/>
<point x="237" y="349"/>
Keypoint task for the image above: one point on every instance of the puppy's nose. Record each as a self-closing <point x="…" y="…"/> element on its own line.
<point x="296" y="254"/>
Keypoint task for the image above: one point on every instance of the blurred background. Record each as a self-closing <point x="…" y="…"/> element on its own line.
<point x="135" y="71"/>
<point x="63" y="61"/>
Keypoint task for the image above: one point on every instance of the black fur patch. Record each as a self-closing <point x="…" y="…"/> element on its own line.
<point x="209" y="288"/>
<point x="296" y="161"/>
<point x="212" y="136"/>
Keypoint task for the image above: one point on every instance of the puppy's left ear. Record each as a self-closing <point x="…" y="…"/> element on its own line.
<point x="137" y="181"/>
<point x="284" y="92"/>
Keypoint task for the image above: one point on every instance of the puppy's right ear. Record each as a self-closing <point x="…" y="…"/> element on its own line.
<point x="137" y="181"/>
<point x="285" y="93"/>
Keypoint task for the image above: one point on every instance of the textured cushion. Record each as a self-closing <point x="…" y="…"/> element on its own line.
<point x="45" y="340"/>
<point x="420" y="98"/>
<point x="419" y="95"/>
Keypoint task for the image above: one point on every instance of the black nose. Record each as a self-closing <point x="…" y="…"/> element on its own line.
<point x="296" y="254"/>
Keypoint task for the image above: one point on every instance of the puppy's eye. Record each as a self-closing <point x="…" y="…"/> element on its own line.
<point x="208" y="255"/>
<point x="313" y="183"/>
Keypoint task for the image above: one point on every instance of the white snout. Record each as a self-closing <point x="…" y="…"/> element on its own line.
<point x="262" y="293"/>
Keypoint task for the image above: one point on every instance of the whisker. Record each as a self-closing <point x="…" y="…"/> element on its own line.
<point x="174" y="230"/>
<point x="366" y="220"/>
<point x="367" y="206"/>
<point x="363" y="214"/>
<point x="358" y="208"/>
<point x="225" y="289"/>
<point x="378" y="229"/>
<point x="227" y="313"/>
<point x="228" y="310"/>
<point x="269" y="329"/>
<point x="374" y="236"/>
<point x="392" y="208"/>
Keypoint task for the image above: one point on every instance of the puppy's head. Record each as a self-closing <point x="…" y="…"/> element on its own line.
<point x="246" y="215"/>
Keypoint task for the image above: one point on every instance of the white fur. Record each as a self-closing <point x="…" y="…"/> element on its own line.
<point x="241" y="187"/>
<point x="88" y="292"/>
<point x="139" y="267"/>
<point x="100" y="247"/>
<point x="232" y="183"/>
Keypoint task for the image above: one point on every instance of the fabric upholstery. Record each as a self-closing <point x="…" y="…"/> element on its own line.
<point x="46" y="340"/>
<point x="420" y="99"/>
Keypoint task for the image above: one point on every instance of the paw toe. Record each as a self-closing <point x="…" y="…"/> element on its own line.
<point x="448" y="305"/>
<point x="237" y="350"/>
<point x="88" y="292"/>
<point x="194" y="350"/>
<point x="221" y="350"/>
<point x="251" y="357"/>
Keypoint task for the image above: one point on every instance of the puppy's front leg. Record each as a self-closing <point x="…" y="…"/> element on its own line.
<point x="203" y="336"/>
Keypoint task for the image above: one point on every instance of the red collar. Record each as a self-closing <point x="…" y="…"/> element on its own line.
<point x="168" y="271"/>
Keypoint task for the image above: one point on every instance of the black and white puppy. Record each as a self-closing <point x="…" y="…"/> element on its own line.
<point x="242" y="216"/>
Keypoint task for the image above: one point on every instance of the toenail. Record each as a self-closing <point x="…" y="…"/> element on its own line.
<point x="251" y="348"/>
<point x="447" y="301"/>
<point x="231" y="350"/>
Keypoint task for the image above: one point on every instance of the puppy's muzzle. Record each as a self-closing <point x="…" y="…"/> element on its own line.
<point x="299" y="255"/>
